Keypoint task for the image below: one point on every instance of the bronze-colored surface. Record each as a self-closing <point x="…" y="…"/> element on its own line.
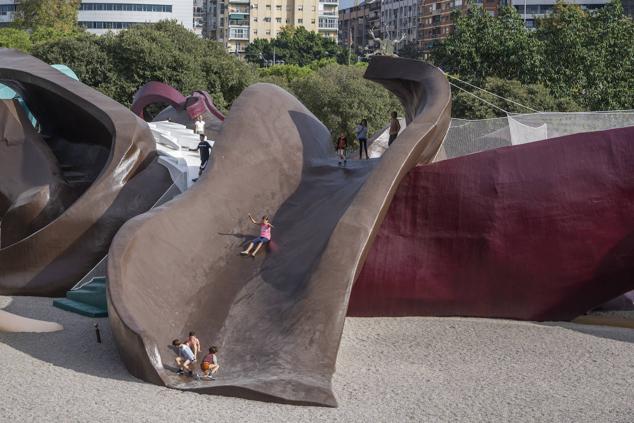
<point x="92" y="164"/>
<point x="277" y="318"/>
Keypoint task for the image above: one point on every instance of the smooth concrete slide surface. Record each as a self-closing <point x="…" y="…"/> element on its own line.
<point x="277" y="318"/>
<point x="66" y="188"/>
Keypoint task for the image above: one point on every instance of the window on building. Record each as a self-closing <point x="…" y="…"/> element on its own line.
<point x="300" y="21"/>
<point x="267" y="19"/>
<point x="268" y="32"/>
<point x="300" y="7"/>
<point x="278" y="7"/>
<point x="278" y="20"/>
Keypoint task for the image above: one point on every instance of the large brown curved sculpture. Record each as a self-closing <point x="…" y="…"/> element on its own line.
<point x="541" y="231"/>
<point x="278" y="318"/>
<point x="66" y="189"/>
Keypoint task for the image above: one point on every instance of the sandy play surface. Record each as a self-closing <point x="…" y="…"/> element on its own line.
<point x="388" y="370"/>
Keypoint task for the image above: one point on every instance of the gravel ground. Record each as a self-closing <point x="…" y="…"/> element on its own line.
<point x="405" y="369"/>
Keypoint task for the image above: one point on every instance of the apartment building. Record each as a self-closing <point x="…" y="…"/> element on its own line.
<point x="399" y="19"/>
<point x="236" y="23"/>
<point x="199" y="16"/>
<point x="101" y="16"/>
<point x="531" y="10"/>
<point x="355" y="24"/>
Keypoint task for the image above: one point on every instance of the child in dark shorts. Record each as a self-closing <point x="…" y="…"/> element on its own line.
<point x="264" y="238"/>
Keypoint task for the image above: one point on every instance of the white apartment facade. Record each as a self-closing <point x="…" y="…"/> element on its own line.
<point x="101" y="16"/>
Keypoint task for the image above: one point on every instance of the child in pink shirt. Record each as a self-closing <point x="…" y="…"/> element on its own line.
<point x="264" y="238"/>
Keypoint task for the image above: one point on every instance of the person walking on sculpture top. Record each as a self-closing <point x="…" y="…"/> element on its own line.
<point x="199" y="127"/>
<point x="205" y="151"/>
<point x="264" y="238"/>
<point x="361" y="131"/>
<point x="342" y="144"/>
<point x="395" y="127"/>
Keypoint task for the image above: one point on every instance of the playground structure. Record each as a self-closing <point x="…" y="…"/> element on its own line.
<point x="66" y="189"/>
<point x="534" y="231"/>
<point x="180" y="109"/>
<point x="278" y="318"/>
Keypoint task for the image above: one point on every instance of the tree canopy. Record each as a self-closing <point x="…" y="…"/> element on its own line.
<point x="535" y="96"/>
<point x="295" y="46"/>
<point x="484" y="46"/>
<point x="59" y="15"/>
<point x="15" y="38"/>
<point x="340" y="97"/>
<point x="118" y="64"/>
<point x="581" y="57"/>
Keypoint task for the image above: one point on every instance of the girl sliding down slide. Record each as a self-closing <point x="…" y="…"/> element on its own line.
<point x="264" y="238"/>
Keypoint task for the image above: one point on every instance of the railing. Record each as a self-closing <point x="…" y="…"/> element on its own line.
<point x="240" y="32"/>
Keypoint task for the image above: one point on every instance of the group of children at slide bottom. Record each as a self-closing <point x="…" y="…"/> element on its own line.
<point x="187" y="355"/>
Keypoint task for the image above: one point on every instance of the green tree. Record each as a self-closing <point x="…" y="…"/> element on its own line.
<point x="295" y="46"/>
<point x="535" y="96"/>
<point x="118" y="64"/>
<point x="86" y="55"/>
<point x="589" y="56"/>
<point x="61" y="15"/>
<point x="284" y="73"/>
<point x="482" y="46"/>
<point x="409" y="50"/>
<point x="15" y="38"/>
<point x="340" y="97"/>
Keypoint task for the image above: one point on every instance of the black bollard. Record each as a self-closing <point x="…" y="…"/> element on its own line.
<point x="98" y="333"/>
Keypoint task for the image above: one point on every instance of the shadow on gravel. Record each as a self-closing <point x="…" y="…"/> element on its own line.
<point x="74" y="348"/>
<point x="607" y="332"/>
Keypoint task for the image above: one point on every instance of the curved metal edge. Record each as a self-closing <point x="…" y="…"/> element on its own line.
<point x="132" y="148"/>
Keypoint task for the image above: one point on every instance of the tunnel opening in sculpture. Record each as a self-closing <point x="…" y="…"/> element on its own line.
<point x="69" y="181"/>
<point x="56" y="161"/>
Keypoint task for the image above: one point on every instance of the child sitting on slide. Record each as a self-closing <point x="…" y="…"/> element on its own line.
<point x="264" y="238"/>
<point x="210" y="366"/>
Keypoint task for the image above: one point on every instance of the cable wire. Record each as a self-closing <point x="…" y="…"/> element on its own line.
<point x="493" y="94"/>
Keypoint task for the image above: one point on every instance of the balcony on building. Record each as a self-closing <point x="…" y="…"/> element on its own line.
<point x="239" y="1"/>
<point x="239" y="32"/>
<point x="328" y="23"/>
<point x="238" y="16"/>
